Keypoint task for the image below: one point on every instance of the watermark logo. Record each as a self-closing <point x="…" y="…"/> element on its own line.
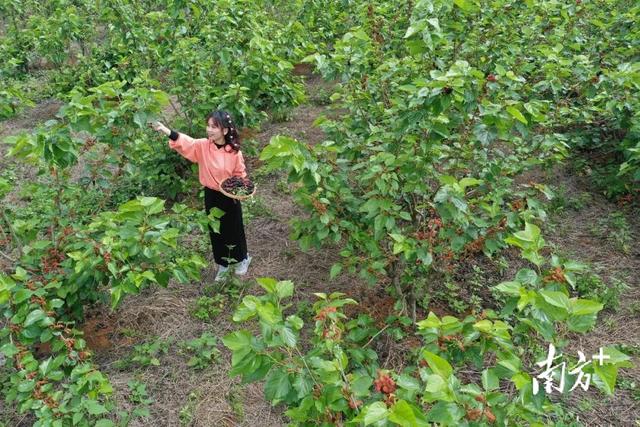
<point x="583" y="379"/>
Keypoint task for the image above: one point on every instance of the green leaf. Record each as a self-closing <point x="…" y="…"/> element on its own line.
<point x="509" y="288"/>
<point x="269" y="313"/>
<point x="616" y="357"/>
<point x="238" y="340"/>
<point x="437" y="364"/>
<point x="277" y="385"/>
<point x="26" y="386"/>
<point x="33" y="317"/>
<point x="409" y="384"/>
<point x="361" y="386"/>
<point x="583" y="306"/>
<point x="9" y="350"/>
<point x="295" y="322"/>
<point x="463" y="4"/>
<point x="44" y="367"/>
<point x="22" y="295"/>
<point x="414" y="29"/>
<point x="335" y="270"/>
<point x="268" y="284"/>
<point x="530" y="235"/>
<point x="605" y="377"/>
<point x="521" y="379"/>
<point x="303" y="384"/>
<point x="247" y="309"/>
<point x="468" y="182"/>
<point x="6" y="284"/>
<point x="557" y="299"/>
<point x="483" y="326"/>
<point x="527" y="276"/>
<point x="284" y="289"/>
<point x="94" y="408"/>
<point x="490" y="380"/>
<point x="444" y="413"/>
<point x="104" y="423"/>
<point x="375" y="412"/>
<point x="405" y="415"/>
<point x="288" y="337"/>
<point x="437" y="389"/>
<point x="516" y="114"/>
<point x="431" y="321"/>
<point x="582" y="323"/>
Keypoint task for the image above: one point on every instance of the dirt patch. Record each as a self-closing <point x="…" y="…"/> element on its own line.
<point x="101" y="333"/>
<point x="30" y="118"/>
<point x="302" y="69"/>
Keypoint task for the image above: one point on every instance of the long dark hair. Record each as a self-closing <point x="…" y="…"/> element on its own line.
<point x="223" y="120"/>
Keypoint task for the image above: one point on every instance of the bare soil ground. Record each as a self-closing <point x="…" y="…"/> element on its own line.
<point x="183" y="396"/>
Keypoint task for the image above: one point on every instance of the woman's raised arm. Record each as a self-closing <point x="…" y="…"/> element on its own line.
<point x="185" y="145"/>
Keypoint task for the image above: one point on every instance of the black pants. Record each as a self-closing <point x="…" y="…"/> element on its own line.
<point x="230" y="244"/>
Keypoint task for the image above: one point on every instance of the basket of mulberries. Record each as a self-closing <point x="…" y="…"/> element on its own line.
<point x="238" y="188"/>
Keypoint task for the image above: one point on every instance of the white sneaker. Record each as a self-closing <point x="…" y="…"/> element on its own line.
<point x="243" y="266"/>
<point x="221" y="272"/>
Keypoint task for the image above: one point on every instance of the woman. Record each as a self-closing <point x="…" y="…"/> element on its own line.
<point x="218" y="157"/>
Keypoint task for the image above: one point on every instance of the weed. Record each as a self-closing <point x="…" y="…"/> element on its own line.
<point x="256" y="208"/>
<point x="631" y="386"/>
<point x="616" y="228"/>
<point x="501" y="263"/>
<point x="186" y="413"/>
<point x="560" y="202"/>
<point x="138" y="396"/>
<point x="208" y="308"/>
<point x="282" y="115"/>
<point x="634" y="308"/>
<point x="585" y="405"/>
<point x="283" y="187"/>
<point x="461" y="299"/>
<point x="591" y="286"/>
<point x="321" y="97"/>
<point x="451" y="296"/>
<point x="235" y="399"/>
<point x="146" y="354"/>
<point x="563" y="202"/>
<point x="204" y="350"/>
<point x="288" y="253"/>
<point x="304" y="310"/>
<point x="262" y="173"/>
<point x="476" y="284"/>
<point x="130" y="333"/>
<point x="621" y="231"/>
<point x="629" y="349"/>
<point x="202" y="246"/>
<point x="231" y="286"/>
<point x="139" y="399"/>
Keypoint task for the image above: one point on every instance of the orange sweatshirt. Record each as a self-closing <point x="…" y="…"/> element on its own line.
<point x="214" y="164"/>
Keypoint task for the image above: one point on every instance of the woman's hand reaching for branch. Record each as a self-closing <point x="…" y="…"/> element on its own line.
<point x="160" y="127"/>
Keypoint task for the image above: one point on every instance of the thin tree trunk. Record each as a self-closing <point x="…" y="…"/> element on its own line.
<point x="397" y="271"/>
